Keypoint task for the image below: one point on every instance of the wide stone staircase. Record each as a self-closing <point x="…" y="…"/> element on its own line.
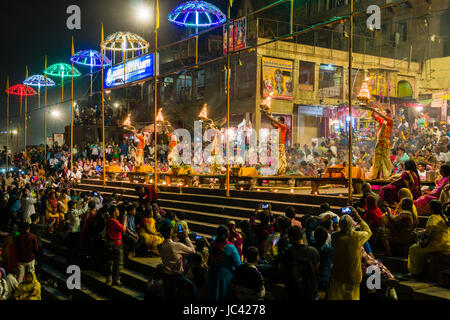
<point x="205" y="209"/>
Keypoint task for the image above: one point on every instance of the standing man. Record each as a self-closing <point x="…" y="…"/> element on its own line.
<point x="27" y="249"/>
<point x="140" y="148"/>
<point x="382" y="164"/>
<point x="279" y="124"/>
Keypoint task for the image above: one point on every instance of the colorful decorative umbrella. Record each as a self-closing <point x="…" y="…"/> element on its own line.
<point x="197" y="14"/>
<point x="62" y="70"/>
<point x="90" y="58"/>
<point x="39" y="81"/>
<point x="21" y="90"/>
<point x="124" y="42"/>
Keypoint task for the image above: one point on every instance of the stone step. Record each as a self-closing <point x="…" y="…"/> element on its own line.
<point x="94" y="280"/>
<point x="85" y="293"/>
<point x="444" y="279"/>
<point x="395" y="264"/>
<point x="49" y="293"/>
<point x="283" y="197"/>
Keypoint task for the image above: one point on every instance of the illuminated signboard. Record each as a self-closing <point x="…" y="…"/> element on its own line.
<point x="135" y="70"/>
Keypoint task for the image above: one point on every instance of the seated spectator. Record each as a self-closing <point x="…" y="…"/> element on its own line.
<point x="179" y="220"/>
<point x="234" y="236"/>
<point x="196" y="272"/>
<point x="438" y="230"/>
<point x="131" y="236"/>
<point x="421" y="169"/>
<point x="299" y="266"/>
<point x="326" y="260"/>
<point x="51" y="213"/>
<point x="398" y="229"/>
<point x="29" y="289"/>
<point x="11" y="280"/>
<point x="367" y="190"/>
<point x="248" y="283"/>
<point x="372" y="213"/>
<point x="223" y="259"/>
<point x="176" y="286"/>
<point x="325" y="210"/>
<point x="273" y="248"/>
<point x="4" y="290"/>
<point x="290" y="213"/>
<point x="249" y="238"/>
<point x="147" y="230"/>
<point x="264" y="228"/>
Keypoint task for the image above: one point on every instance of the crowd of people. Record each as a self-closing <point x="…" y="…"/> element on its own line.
<point x="323" y="256"/>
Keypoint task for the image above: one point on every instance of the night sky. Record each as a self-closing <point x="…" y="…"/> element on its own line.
<point x="33" y="29"/>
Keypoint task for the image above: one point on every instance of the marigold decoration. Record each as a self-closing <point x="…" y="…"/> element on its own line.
<point x="364" y="93"/>
<point x="197" y="14"/>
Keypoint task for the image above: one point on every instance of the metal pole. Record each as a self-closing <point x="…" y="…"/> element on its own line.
<point x="103" y="113"/>
<point x="25" y="116"/>
<point x="7" y="121"/>
<point x="228" y="99"/>
<point x="156" y="109"/>
<point x="71" y="117"/>
<point x="350" y="81"/>
<point x="45" y="116"/>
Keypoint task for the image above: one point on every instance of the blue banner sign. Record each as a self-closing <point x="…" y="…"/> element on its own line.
<point x="135" y="70"/>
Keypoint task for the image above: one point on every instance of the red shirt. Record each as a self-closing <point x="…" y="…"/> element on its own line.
<point x="26" y="247"/>
<point x="114" y="231"/>
<point x="283" y="130"/>
<point x="373" y="217"/>
<point x="387" y="132"/>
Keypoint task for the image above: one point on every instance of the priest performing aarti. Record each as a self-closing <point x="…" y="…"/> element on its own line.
<point x="382" y="165"/>
<point x="216" y="163"/>
<point x="281" y="126"/>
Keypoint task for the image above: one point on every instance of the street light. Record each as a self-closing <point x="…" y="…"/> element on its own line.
<point x="143" y="13"/>
<point x="116" y="105"/>
<point x="56" y="113"/>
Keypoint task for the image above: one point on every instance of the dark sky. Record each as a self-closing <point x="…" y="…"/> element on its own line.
<point x="32" y="29"/>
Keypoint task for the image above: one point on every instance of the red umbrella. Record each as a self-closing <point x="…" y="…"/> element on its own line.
<point x="21" y="90"/>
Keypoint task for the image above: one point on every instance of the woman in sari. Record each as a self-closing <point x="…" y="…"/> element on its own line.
<point x="409" y="179"/>
<point x="438" y="228"/>
<point x="29" y="289"/>
<point x="223" y="259"/>
<point x="51" y="212"/>
<point x="147" y="230"/>
<point x="398" y="229"/>
<point x="235" y="237"/>
<point x="423" y="203"/>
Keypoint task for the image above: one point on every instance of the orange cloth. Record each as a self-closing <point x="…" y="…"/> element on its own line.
<point x="247" y="172"/>
<point x="357" y="173"/>
<point x="141" y="145"/>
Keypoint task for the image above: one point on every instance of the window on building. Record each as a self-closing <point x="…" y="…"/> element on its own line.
<point x="330" y="81"/>
<point x="306" y="76"/>
<point x="403" y="30"/>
